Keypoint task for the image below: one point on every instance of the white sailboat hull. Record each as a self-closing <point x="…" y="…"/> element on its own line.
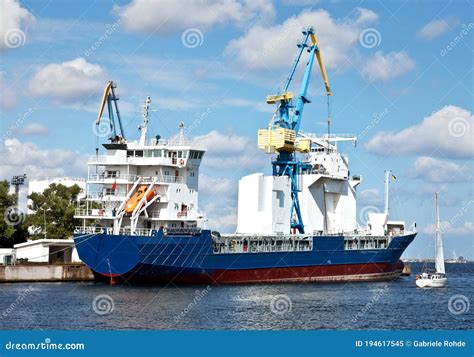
<point x="438" y="279"/>
<point x="431" y="282"/>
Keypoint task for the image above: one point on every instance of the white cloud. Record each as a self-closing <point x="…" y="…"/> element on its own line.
<point x="445" y="133"/>
<point x="436" y="170"/>
<point x="7" y="97"/>
<point x="173" y="103"/>
<point x="370" y="196"/>
<point x="213" y="185"/>
<point x="70" y="82"/>
<point x="13" y="23"/>
<point x="446" y="228"/>
<point x="382" y="67"/>
<point x="18" y="157"/>
<point x="245" y="103"/>
<point x="161" y="17"/>
<point x="435" y="28"/>
<point x="269" y="47"/>
<point x="33" y="129"/>
<point x="231" y="156"/>
<point x="218" y="197"/>
<point x="231" y="152"/>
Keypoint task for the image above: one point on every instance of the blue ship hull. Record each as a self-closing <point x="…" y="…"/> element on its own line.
<point x="190" y="260"/>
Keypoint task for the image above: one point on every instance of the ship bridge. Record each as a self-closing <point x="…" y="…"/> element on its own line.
<point x="144" y="184"/>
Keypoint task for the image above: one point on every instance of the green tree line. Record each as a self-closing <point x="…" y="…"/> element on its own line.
<point x="52" y="217"/>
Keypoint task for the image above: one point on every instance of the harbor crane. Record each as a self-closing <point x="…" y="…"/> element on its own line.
<point x="109" y="98"/>
<point x="281" y="136"/>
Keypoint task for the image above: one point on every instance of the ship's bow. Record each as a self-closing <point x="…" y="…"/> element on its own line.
<point x="109" y="255"/>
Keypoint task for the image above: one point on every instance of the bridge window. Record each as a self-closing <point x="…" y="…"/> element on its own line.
<point x="280" y="196"/>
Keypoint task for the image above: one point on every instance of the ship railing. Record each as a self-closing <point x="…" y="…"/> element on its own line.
<point x="138" y="232"/>
<point x="105" y="176"/>
<point x="90" y="230"/>
<point x="259" y="243"/>
<point x="104" y="196"/>
<point x="182" y="231"/>
<point x="359" y="242"/>
<point x="154" y="142"/>
<point x="133" y="178"/>
<point x="95" y="212"/>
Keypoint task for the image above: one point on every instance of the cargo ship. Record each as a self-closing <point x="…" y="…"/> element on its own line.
<point x="141" y="220"/>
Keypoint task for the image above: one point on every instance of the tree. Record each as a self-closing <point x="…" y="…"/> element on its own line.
<point x="54" y="210"/>
<point x="12" y="227"/>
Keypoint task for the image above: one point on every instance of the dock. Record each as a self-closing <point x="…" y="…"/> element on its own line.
<point x="45" y="273"/>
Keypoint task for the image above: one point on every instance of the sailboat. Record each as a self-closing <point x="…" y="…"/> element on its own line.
<point x="438" y="278"/>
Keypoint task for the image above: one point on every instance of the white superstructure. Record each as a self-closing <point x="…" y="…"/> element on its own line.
<point x="327" y="196"/>
<point x="165" y="171"/>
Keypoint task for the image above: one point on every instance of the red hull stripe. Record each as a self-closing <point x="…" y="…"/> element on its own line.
<point x="328" y="273"/>
<point x="346" y="272"/>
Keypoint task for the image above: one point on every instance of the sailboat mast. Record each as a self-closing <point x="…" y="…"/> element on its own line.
<point x="439" y="256"/>
<point x="436" y="216"/>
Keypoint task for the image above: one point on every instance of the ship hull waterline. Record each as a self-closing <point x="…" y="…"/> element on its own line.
<point x="191" y="260"/>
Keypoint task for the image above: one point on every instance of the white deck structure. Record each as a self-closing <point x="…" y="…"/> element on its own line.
<point x="327" y="194"/>
<point x="167" y="168"/>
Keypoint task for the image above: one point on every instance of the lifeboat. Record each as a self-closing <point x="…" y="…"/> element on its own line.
<point x="135" y="199"/>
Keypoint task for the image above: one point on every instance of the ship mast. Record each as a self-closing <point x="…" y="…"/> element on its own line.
<point x="387" y="181"/>
<point x="144" y="126"/>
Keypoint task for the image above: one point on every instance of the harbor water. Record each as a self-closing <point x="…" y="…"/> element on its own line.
<point x="390" y="305"/>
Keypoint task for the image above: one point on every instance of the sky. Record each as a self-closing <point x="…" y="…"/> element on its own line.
<point x="401" y="73"/>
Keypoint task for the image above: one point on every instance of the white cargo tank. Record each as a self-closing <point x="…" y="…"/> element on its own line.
<point x="264" y="203"/>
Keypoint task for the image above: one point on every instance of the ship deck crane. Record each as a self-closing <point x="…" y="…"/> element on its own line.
<point x="281" y="136"/>
<point x="109" y="98"/>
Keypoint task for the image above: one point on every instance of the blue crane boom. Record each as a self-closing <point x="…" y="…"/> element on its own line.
<point x="109" y="98"/>
<point x="282" y="133"/>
